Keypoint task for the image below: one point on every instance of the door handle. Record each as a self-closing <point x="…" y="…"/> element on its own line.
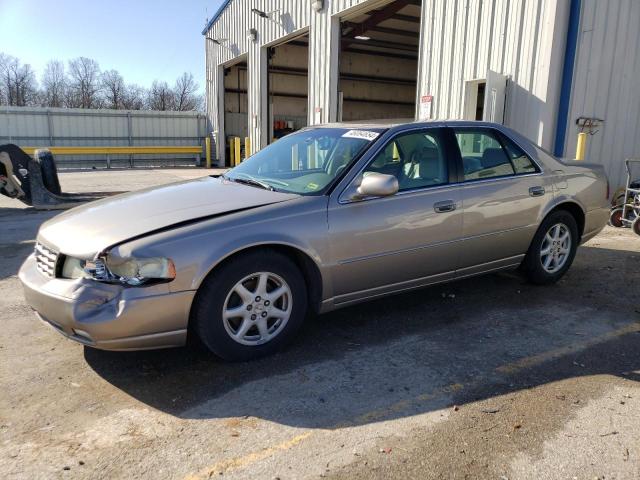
<point x="445" y="206"/>
<point x="536" y="191"/>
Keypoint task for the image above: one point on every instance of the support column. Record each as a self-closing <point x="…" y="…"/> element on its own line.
<point x="215" y="101"/>
<point x="424" y="57"/>
<point x="324" y="53"/>
<point x="257" y="96"/>
<point x="218" y="124"/>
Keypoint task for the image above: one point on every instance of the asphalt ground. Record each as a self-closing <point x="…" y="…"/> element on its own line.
<point x="488" y="377"/>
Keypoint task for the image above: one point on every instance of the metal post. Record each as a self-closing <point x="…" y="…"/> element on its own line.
<point x="207" y="147"/>
<point x="247" y="147"/>
<point x="130" y="137"/>
<point x="8" y="121"/>
<point x="232" y="152"/>
<point x="50" y="128"/>
<point x="581" y="147"/>
<point x="237" y="150"/>
<point x="199" y="137"/>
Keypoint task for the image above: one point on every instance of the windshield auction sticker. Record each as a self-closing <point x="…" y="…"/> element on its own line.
<point x="363" y="134"/>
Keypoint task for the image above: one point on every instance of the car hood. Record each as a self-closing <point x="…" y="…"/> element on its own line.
<point x="86" y="230"/>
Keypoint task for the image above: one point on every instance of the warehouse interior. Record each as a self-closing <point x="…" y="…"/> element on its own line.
<point x="379" y="62"/>
<point x="288" y="86"/>
<point x="236" y="101"/>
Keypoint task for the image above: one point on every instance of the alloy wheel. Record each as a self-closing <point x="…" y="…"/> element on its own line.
<point x="555" y="248"/>
<point x="257" y="308"/>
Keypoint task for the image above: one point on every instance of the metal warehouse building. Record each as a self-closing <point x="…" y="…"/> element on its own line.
<point x="547" y="68"/>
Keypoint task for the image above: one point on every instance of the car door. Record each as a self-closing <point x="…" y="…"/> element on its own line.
<point x="384" y="244"/>
<point x="503" y="193"/>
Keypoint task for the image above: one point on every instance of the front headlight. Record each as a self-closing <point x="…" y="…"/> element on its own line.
<point x="73" y="268"/>
<point x="128" y="271"/>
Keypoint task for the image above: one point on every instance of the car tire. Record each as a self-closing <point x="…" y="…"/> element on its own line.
<point x="223" y="305"/>
<point x="551" y="253"/>
<point x="49" y="171"/>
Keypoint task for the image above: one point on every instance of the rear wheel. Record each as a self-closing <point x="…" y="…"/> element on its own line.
<point x="553" y="248"/>
<point x="251" y="307"/>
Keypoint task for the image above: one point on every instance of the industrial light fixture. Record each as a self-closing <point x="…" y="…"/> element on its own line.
<point x="260" y="13"/>
<point x="218" y="41"/>
<point x="317" y="5"/>
<point x="252" y="34"/>
<point x="263" y="14"/>
<point x="362" y="37"/>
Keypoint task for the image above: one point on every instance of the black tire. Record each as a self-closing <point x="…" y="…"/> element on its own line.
<point x="49" y="171"/>
<point x="206" y="314"/>
<point x="532" y="265"/>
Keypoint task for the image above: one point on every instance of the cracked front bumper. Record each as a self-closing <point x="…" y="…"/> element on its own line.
<point x="106" y="316"/>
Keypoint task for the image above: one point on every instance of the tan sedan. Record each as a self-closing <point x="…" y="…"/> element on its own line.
<point x="325" y="217"/>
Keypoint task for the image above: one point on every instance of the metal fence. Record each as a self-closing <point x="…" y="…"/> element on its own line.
<point x="66" y="127"/>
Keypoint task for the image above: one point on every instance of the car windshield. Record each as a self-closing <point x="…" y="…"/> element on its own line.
<point x="305" y="162"/>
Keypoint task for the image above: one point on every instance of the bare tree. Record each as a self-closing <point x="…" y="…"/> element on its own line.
<point x="134" y="97"/>
<point x="19" y="85"/>
<point x="113" y="89"/>
<point x="186" y="93"/>
<point x="54" y="85"/>
<point x="84" y="87"/>
<point x="161" y="97"/>
<point x="3" y="88"/>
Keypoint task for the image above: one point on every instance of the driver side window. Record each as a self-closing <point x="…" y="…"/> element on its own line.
<point x="416" y="159"/>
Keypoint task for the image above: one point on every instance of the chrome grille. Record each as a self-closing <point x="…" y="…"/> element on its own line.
<point x="46" y="260"/>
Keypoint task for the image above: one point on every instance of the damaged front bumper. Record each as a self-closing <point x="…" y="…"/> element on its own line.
<point x="107" y="316"/>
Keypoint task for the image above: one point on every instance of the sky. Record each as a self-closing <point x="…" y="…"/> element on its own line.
<point x="143" y="39"/>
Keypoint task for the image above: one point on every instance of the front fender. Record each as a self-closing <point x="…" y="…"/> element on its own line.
<point x="197" y="249"/>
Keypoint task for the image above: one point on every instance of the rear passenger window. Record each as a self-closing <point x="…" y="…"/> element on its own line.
<point x="482" y="155"/>
<point x="521" y="162"/>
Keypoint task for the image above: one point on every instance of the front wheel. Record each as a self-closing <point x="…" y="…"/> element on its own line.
<point x="552" y="250"/>
<point x="251" y="306"/>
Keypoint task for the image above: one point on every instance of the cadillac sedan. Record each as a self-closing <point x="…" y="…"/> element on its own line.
<point x="324" y="218"/>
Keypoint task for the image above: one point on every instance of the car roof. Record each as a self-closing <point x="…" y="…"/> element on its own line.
<point x="400" y="125"/>
<point x="405" y="122"/>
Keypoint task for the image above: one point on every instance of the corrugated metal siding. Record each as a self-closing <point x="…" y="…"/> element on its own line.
<point x="463" y="39"/>
<point x="292" y="17"/>
<point x="460" y="41"/>
<point x="44" y="127"/>
<point x="606" y="83"/>
<point x="233" y="24"/>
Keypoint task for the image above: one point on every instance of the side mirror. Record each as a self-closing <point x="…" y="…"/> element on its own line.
<point x="376" y="185"/>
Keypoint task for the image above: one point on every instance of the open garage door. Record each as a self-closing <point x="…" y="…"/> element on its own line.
<point x="288" y="86"/>
<point x="379" y="62"/>
<point x="236" y="105"/>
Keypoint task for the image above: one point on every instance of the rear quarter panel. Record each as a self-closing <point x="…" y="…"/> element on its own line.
<point x="586" y="184"/>
<point x="577" y="182"/>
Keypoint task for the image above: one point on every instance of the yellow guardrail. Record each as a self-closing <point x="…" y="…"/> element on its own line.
<point x="196" y="150"/>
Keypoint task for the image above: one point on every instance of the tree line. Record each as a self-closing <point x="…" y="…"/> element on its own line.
<point x="83" y="85"/>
